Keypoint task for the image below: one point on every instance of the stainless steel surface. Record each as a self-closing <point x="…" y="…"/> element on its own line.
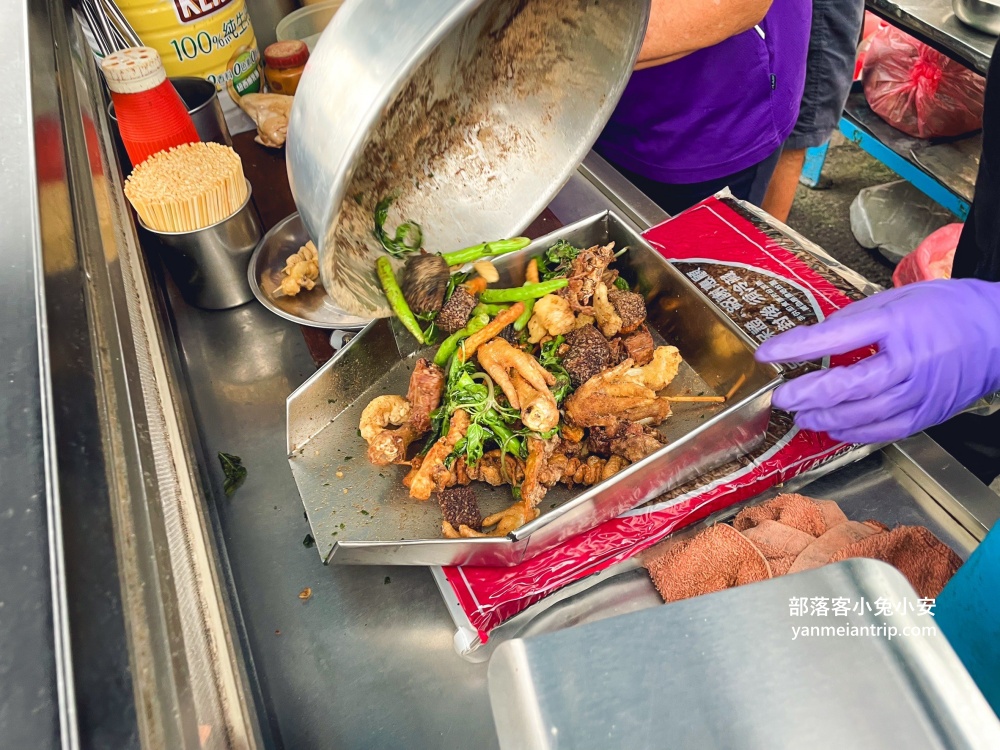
<point x="365" y="515"/>
<point x="37" y="701"/>
<point x="981" y="15"/>
<point x="725" y="670"/>
<point x="934" y="22"/>
<point x="210" y="265"/>
<point x="474" y="113"/>
<point x="309" y="308"/>
<point x="155" y="660"/>
<point x="202" y="102"/>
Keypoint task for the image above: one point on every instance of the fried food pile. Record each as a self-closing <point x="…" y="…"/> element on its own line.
<point x="558" y="385"/>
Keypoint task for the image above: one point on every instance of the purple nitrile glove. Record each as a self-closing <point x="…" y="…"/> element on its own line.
<point x="939" y="352"/>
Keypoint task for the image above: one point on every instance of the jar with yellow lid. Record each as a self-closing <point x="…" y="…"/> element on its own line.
<point x="283" y="65"/>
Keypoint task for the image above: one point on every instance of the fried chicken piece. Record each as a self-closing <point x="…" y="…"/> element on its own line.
<point x="618" y="351"/>
<point x="585" y="273"/>
<point x="532" y="491"/>
<point x="433" y="475"/>
<point x="629" y="440"/>
<point x="660" y="372"/>
<point x="640" y="346"/>
<point x="423" y="397"/>
<point x="524" y="381"/>
<point x="608" y="319"/>
<point x="572" y="470"/>
<point x="551" y="316"/>
<point x="609" y="398"/>
<point x="539" y="411"/>
<point x="489" y="469"/>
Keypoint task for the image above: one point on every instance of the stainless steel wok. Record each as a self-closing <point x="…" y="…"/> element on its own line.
<point x="472" y="112"/>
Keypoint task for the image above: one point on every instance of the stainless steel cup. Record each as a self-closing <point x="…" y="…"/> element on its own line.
<point x="209" y="265"/>
<point x="202" y="102"/>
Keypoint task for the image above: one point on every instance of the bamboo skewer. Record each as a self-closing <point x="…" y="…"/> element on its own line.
<point x="188" y="187"/>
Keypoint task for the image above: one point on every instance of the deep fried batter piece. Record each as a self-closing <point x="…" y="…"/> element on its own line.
<point x="585" y="273"/>
<point x="609" y="398"/>
<point x="423" y="397"/>
<point x="629" y="440"/>
<point x="433" y="474"/>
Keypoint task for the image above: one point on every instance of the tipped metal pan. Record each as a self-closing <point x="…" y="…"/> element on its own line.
<point x="362" y="514"/>
<point x="473" y="112"/>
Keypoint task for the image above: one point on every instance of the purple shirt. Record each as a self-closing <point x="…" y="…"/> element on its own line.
<point x="717" y="111"/>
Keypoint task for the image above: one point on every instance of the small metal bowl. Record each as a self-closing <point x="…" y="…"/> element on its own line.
<point x="309" y="308"/>
<point x="983" y="15"/>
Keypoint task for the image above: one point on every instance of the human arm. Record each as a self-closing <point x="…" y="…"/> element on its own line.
<point x="938" y="353"/>
<point x="679" y="27"/>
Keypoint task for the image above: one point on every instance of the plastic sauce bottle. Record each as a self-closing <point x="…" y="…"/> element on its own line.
<point x="284" y="63"/>
<point x="151" y="116"/>
<point x="211" y="39"/>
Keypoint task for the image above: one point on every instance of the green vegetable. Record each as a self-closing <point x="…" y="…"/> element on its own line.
<point x="484" y="250"/>
<point x="454" y="281"/>
<point x="396" y="300"/>
<point x="235" y="472"/>
<point x="553" y="363"/>
<point x="522" y="293"/>
<point x="407" y="238"/>
<point x="491" y="310"/>
<point x="557" y="260"/>
<point x="490" y="420"/>
<point x="450" y="345"/>
<point x="523" y="318"/>
<point x="621" y="284"/>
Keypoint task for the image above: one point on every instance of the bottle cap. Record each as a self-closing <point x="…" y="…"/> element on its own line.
<point x="132" y="70"/>
<point x="288" y="54"/>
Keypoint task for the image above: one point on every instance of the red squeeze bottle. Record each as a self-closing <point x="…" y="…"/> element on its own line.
<point x="151" y="116"/>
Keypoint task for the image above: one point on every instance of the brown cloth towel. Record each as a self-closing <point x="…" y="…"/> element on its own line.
<point x="792" y="533"/>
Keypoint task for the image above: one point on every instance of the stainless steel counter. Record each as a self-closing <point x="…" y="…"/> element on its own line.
<point x="933" y="22"/>
<point x="171" y="610"/>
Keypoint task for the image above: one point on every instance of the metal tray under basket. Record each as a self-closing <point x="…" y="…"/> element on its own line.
<point x="362" y="514"/>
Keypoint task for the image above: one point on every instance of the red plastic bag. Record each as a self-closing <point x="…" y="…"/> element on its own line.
<point x="918" y="90"/>
<point x="872" y="24"/>
<point x="932" y="259"/>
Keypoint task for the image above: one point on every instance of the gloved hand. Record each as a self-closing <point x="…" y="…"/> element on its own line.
<point x="939" y="352"/>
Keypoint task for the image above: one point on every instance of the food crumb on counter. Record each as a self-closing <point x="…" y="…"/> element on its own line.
<point x="305" y="594"/>
<point x="308" y="541"/>
<point x="340" y="475"/>
<point x="277" y="632"/>
<point x="365" y="513"/>
<point x="345" y="490"/>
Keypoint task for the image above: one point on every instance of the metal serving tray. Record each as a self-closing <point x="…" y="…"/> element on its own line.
<point x="362" y="514"/>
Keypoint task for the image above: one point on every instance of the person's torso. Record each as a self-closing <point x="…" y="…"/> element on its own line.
<point x="717" y="111"/>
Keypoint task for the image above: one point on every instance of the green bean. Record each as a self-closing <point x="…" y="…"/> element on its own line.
<point x="396" y="300"/>
<point x="490" y="310"/>
<point x="484" y="250"/>
<point x="523" y="318"/>
<point x="450" y="345"/>
<point x="526" y="292"/>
